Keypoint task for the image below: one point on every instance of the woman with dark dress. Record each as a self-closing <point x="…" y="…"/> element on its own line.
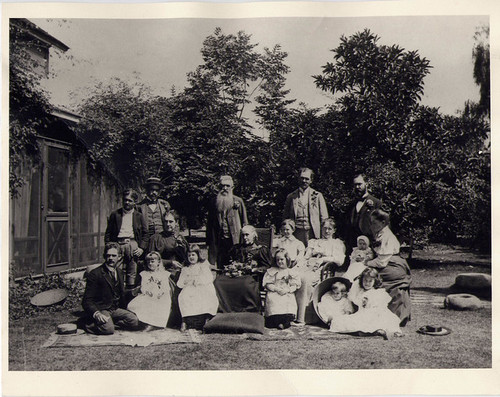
<point x="173" y="249"/>
<point x="238" y="287"/>
<point x="393" y="269"/>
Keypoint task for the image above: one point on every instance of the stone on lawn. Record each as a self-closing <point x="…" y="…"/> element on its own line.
<point x="479" y="281"/>
<point x="462" y="302"/>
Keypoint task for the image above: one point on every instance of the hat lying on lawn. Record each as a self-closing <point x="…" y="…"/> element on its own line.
<point x="434" y="330"/>
<point x="69" y="329"/>
<point x="50" y="297"/>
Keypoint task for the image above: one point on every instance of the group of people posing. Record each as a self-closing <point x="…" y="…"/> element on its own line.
<point x="152" y="278"/>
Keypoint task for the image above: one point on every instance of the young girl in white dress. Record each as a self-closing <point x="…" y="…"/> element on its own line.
<point x="334" y="305"/>
<point x="153" y="305"/>
<point x="373" y="315"/>
<point x="197" y="301"/>
<point x="280" y="282"/>
<point x="293" y="246"/>
<point x="359" y="256"/>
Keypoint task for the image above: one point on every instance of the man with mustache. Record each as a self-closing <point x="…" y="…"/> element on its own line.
<point x="226" y="216"/>
<point x="153" y="208"/>
<point x="104" y="300"/>
<point x="306" y="207"/>
<point x="359" y="221"/>
<point x="127" y="227"/>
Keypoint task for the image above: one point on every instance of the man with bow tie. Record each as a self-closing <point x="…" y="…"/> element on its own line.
<point x="152" y="207"/>
<point x="104" y="299"/>
<point x="359" y="222"/>
<point x="306" y="207"/>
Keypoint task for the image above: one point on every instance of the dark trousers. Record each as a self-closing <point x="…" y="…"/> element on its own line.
<point x="123" y="318"/>
<point x="225" y="244"/>
<point x="128" y="246"/>
<point x="303" y="235"/>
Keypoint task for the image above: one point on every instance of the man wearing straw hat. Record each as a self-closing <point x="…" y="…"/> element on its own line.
<point x="153" y="207"/>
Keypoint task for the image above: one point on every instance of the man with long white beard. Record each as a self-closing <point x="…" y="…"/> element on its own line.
<point x="226" y="216"/>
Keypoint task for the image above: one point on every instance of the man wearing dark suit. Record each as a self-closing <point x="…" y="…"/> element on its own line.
<point x="128" y="228"/>
<point x="226" y="216"/>
<point x="103" y="300"/>
<point x="359" y="222"/>
<point x="306" y="207"/>
<point x="153" y="208"/>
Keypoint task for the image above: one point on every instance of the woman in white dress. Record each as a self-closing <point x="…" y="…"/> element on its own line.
<point x="326" y="251"/>
<point x="152" y="306"/>
<point x="197" y="301"/>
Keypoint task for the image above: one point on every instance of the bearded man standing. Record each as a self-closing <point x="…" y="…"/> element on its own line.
<point x="359" y="215"/>
<point x="226" y="216"/>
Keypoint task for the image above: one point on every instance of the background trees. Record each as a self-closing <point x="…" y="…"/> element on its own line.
<point x="431" y="169"/>
<point x="28" y="106"/>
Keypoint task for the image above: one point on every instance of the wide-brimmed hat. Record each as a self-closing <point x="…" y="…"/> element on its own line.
<point x="153" y="181"/>
<point x="434" y="330"/>
<point x="50" y="297"/>
<point x="324" y="287"/>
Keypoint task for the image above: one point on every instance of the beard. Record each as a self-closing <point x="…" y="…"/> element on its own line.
<point x="224" y="202"/>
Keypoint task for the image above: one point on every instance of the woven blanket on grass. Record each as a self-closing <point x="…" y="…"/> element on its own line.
<point x="293" y="333"/>
<point x="128" y="338"/>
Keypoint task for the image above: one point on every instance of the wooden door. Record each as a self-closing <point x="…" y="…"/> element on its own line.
<point x="56" y="207"/>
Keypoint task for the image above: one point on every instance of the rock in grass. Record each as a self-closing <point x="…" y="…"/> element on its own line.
<point x="462" y="302"/>
<point x="479" y="281"/>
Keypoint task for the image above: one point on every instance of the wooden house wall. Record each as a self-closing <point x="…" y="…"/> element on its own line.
<point x="92" y="198"/>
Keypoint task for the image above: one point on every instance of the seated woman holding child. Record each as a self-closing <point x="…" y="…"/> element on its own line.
<point x="172" y="247"/>
<point x="238" y="287"/>
<point x="392" y="268"/>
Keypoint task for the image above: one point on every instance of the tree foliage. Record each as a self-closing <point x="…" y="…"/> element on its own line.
<point x="28" y="106"/>
<point x="431" y="169"/>
<point x="481" y="57"/>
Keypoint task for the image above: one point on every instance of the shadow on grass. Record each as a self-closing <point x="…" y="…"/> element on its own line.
<point x="434" y="290"/>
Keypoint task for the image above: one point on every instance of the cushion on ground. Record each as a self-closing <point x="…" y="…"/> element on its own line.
<point x="473" y="281"/>
<point x="235" y="323"/>
<point x="462" y="302"/>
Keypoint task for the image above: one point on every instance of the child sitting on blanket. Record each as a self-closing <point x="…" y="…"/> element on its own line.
<point x="197" y="301"/>
<point x="280" y="282"/>
<point x="153" y="304"/>
<point x="373" y="315"/>
<point x="359" y="256"/>
<point x="334" y="305"/>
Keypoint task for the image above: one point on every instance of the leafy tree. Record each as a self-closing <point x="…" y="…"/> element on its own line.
<point x="128" y="129"/>
<point x="28" y="105"/>
<point x="481" y="57"/>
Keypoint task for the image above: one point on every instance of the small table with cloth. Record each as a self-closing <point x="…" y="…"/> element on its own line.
<point x="239" y="290"/>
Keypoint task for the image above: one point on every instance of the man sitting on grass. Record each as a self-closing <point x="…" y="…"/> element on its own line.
<point x="103" y="300"/>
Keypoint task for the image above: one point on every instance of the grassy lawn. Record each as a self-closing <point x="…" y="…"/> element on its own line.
<point x="468" y="346"/>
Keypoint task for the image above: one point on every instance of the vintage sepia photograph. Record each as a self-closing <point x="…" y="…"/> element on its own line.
<point x="246" y="190"/>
